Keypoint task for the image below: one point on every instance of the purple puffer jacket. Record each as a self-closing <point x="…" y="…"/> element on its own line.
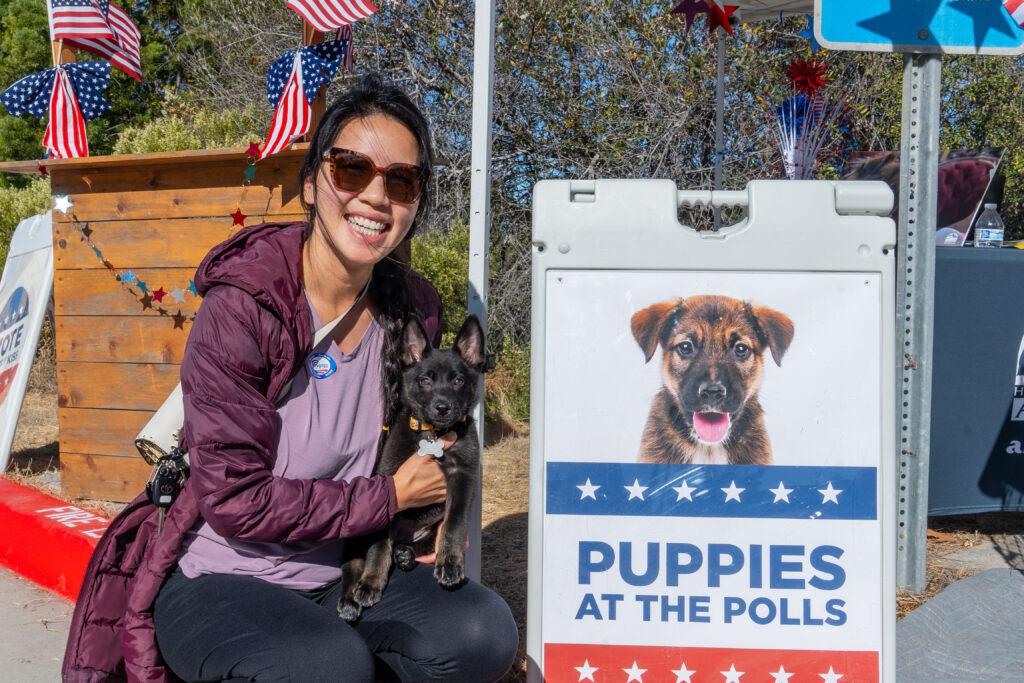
<point x="250" y="338"/>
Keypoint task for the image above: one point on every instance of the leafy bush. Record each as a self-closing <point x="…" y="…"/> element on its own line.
<point x="442" y="256"/>
<point x="17" y="204"/>
<point x="507" y="387"/>
<point x="185" y="129"/>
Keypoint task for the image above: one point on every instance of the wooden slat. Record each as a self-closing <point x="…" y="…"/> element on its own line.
<point x="100" y="432"/>
<point x="213" y="189"/>
<point x="120" y="386"/>
<point x="121" y="339"/>
<point x="103" y="477"/>
<point x="97" y="292"/>
<point x="83" y="164"/>
<point x="170" y="243"/>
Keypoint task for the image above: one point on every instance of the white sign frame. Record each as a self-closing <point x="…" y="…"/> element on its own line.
<point x="630" y="229"/>
<point x="29" y="267"/>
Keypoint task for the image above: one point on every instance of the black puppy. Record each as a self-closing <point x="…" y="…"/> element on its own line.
<point x="439" y="389"/>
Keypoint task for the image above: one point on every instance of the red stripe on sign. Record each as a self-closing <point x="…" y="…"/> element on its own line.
<point x="645" y="664"/>
<point x="45" y="539"/>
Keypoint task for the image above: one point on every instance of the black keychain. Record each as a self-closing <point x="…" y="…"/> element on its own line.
<point x="166" y="481"/>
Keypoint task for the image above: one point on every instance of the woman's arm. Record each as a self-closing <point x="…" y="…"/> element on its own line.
<point x="230" y="430"/>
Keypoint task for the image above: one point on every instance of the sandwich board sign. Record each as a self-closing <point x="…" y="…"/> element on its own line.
<point x="712" y="435"/>
<point x="973" y="27"/>
<point x="25" y="292"/>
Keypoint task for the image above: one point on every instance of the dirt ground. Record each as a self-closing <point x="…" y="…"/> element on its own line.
<point x="35" y="462"/>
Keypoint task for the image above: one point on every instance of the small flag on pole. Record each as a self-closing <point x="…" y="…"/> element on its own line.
<point x="100" y="27"/>
<point x="325" y="15"/>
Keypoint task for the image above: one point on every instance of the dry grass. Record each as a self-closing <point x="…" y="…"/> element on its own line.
<point x="34" y="462"/>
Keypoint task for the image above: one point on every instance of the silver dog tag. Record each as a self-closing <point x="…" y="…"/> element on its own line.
<point x="432" y="447"/>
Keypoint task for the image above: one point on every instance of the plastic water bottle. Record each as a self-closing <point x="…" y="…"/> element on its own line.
<point x="988" y="231"/>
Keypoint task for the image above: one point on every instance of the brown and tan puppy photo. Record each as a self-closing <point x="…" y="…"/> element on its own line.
<point x="712" y="349"/>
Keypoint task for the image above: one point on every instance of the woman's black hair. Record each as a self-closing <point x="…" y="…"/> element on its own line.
<point x="368" y="96"/>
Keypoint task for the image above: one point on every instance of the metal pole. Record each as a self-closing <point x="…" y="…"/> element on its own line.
<point x="719" y="116"/>
<point x="480" y="218"/>
<point x="915" y="295"/>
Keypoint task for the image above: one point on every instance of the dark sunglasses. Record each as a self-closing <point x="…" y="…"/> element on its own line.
<point x="352" y="172"/>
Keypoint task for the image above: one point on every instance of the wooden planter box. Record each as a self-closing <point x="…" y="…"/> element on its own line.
<point x="119" y="350"/>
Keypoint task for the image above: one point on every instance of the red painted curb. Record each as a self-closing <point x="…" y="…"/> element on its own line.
<point x="45" y="539"/>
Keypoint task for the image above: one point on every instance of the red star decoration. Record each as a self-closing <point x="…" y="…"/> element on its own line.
<point x="42" y="170"/>
<point x="690" y="9"/>
<point x="159" y="294"/>
<point x="717" y="17"/>
<point x="807" y="75"/>
<point x="238" y="217"/>
<point x="254" y="150"/>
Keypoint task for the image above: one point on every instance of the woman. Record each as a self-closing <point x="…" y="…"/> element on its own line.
<point x="282" y="473"/>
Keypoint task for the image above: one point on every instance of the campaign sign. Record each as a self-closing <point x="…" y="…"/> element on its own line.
<point x="710" y="471"/>
<point x="25" y="291"/>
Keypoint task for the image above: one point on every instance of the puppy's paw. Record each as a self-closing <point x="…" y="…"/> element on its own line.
<point x="348" y="610"/>
<point x="405" y="557"/>
<point x="367" y="594"/>
<point x="449" y="570"/>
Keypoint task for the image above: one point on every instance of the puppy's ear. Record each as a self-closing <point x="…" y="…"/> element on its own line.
<point x="470" y="342"/>
<point x="778" y="328"/>
<point x="649" y="324"/>
<point x="415" y="344"/>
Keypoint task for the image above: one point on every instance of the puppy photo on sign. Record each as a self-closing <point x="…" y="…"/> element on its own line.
<point x="713" y="368"/>
<point x="712" y="352"/>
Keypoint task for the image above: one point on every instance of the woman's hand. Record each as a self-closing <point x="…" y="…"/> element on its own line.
<point x="420" y="481"/>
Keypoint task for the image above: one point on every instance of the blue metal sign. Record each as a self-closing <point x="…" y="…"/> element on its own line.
<point x="982" y="27"/>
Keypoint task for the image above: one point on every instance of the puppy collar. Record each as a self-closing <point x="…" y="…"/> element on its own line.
<point x="417" y="426"/>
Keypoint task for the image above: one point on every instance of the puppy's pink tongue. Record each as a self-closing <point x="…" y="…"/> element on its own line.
<point x="711" y="427"/>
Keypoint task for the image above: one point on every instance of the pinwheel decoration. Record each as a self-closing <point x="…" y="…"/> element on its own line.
<point x="810" y="121"/>
<point x="71" y="93"/>
<point x="292" y="82"/>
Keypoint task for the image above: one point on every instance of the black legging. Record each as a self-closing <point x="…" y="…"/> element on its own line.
<point x="237" y="628"/>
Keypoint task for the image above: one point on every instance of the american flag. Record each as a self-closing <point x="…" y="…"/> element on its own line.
<point x="71" y="93"/>
<point x="100" y="27"/>
<point x="65" y="133"/>
<point x="1016" y="10"/>
<point x="292" y="82"/>
<point x="345" y="33"/>
<point x="324" y="15"/>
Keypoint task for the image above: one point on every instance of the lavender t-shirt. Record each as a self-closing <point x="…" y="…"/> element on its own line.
<point x="327" y="428"/>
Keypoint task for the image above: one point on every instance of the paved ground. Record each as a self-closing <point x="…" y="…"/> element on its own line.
<point x="972" y="631"/>
<point x="33" y="630"/>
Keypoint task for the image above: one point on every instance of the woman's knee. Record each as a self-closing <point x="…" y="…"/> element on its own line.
<point x="485" y="641"/>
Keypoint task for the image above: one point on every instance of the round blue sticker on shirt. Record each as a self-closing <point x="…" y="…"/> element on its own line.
<point x="321" y="366"/>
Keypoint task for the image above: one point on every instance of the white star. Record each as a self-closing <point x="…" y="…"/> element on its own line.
<point x="830" y="494"/>
<point x="62" y="203"/>
<point x="684" y="490"/>
<point x="636" y="490"/>
<point x="586" y="671"/>
<point x="831" y="676"/>
<point x="781" y="493"/>
<point x="781" y="676"/>
<point x="635" y="674"/>
<point x="733" y="492"/>
<point x="587" y="490"/>
<point x="178" y="294"/>
<point x="683" y="674"/>
<point x="732" y="675"/>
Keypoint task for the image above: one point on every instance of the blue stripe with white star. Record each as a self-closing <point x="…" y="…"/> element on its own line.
<point x="750" y="491"/>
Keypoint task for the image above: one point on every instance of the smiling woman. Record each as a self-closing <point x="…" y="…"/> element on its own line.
<point x="283" y="433"/>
